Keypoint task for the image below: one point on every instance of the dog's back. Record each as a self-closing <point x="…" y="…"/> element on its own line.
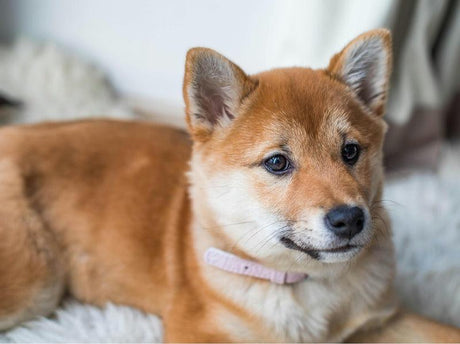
<point x="67" y="194"/>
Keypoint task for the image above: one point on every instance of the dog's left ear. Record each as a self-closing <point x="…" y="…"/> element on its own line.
<point x="214" y="89"/>
<point x="365" y="66"/>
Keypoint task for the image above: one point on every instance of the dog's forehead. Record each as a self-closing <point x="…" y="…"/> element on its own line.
<point x="302" y="98"/>
<point x="301" y="110"/>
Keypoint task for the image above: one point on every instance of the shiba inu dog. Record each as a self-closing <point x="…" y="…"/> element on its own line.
<point x="266" y="225"/>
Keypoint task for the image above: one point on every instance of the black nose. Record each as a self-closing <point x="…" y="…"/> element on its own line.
<point x="345" y="221"/>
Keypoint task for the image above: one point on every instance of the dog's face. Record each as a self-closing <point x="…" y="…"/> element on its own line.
<point x="286" y="167"/>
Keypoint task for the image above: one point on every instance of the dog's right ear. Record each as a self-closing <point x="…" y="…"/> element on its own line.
<point x="214" y="88"/>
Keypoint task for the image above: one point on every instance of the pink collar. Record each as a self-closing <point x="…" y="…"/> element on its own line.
<point x="229" y="262"/>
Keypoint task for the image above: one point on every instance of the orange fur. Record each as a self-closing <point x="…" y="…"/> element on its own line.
<point x="105" y="210"/>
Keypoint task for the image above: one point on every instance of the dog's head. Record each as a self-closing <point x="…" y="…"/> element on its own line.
<point x="287" y="164"/>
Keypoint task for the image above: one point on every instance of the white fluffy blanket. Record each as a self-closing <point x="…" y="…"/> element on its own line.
<point x="424" y="208"/>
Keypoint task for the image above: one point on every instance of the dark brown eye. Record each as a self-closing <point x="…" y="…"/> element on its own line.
<point x="350" y="153"/>
<point x="277" y="164"/>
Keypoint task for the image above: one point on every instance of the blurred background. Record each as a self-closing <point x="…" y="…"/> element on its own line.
<point x="139" y="47"/>
<point x="65" y="59"/>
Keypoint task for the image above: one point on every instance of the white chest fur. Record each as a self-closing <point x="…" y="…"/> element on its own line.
<point x="315" y="309"/>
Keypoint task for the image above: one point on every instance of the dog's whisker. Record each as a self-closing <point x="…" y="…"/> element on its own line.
<point x="278" y="232"/>
<point x="228" y="225"/>
<point x="252" y="234"/>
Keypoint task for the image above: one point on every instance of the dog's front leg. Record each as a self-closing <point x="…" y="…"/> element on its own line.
<point x="192" y="321"/>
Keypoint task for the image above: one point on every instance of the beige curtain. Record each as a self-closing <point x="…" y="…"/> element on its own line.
<point x="424" y="103"/>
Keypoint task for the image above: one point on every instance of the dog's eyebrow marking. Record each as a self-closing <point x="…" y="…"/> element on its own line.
<point x="342" y="125"/>
<point x="280" y="146"/>
<point x="338" y="120"/>
<point x="285" y="148"/>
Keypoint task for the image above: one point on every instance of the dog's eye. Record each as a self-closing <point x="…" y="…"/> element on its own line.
<point x="277" y="164"/>
<point x="350" y="153"/>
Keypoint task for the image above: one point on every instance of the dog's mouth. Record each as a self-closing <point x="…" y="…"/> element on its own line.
<point x="315" y="253"/>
